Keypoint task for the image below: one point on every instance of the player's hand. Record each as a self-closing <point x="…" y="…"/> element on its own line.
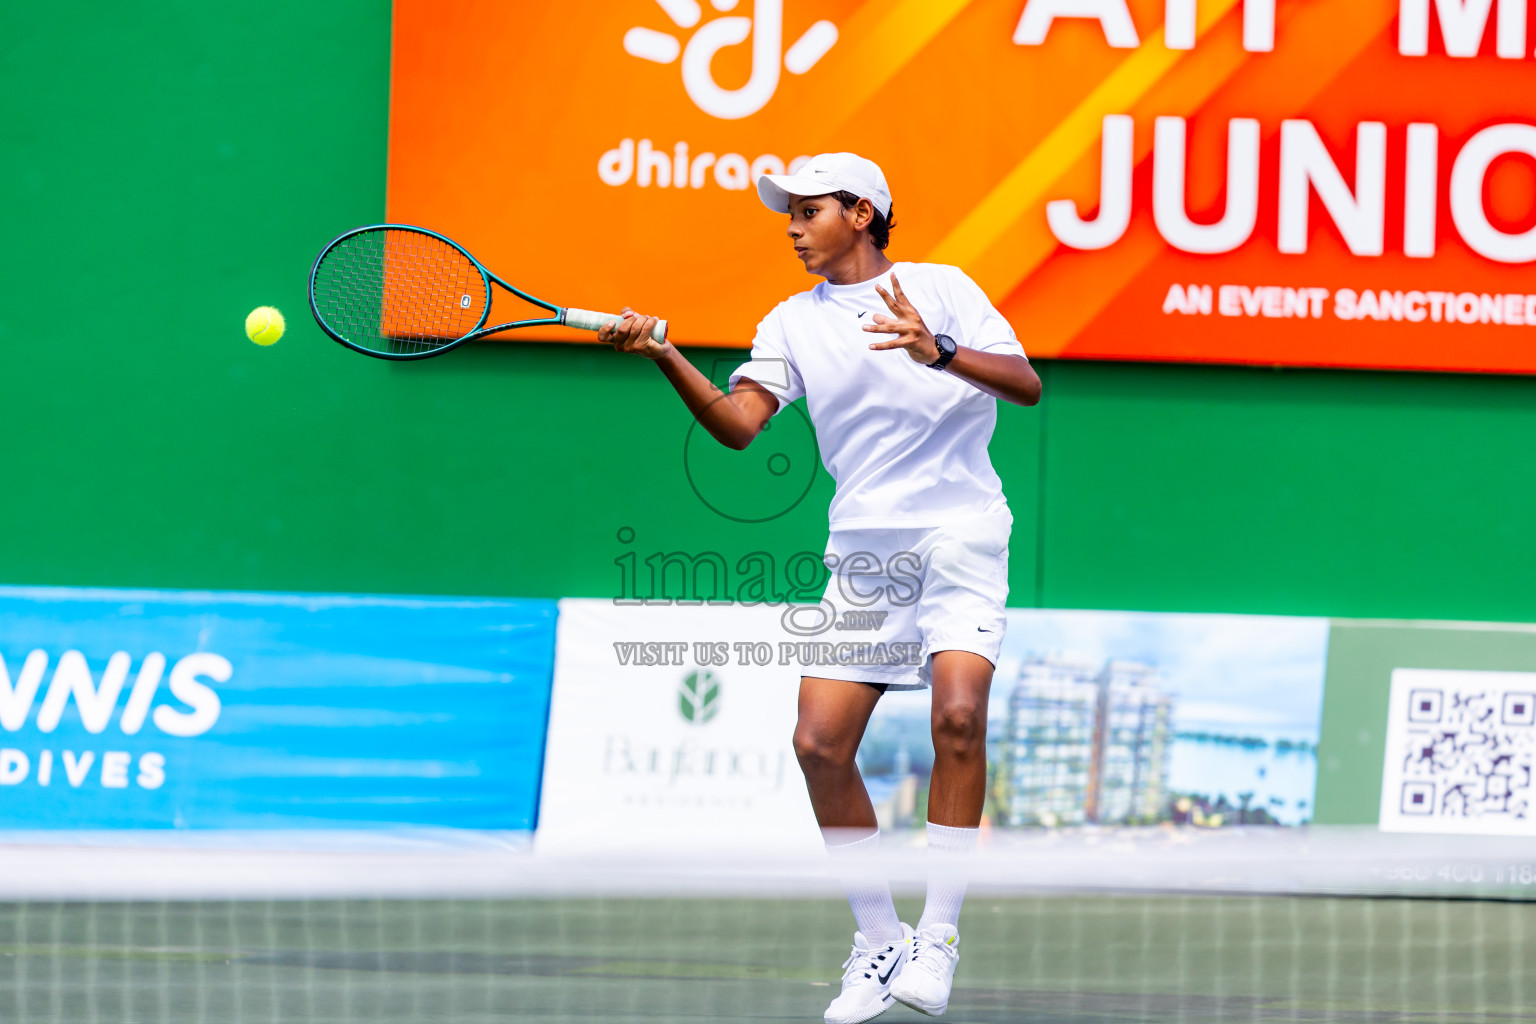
<point x="632" y="333"/>
<point x="904" y="322"/>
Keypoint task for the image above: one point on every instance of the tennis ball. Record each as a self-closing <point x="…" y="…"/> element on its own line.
<point x="264" y="326"/>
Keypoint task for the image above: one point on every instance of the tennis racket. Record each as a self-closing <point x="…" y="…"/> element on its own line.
<point x="401" y="292"/>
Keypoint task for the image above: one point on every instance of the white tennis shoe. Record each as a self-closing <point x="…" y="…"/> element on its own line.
<point x="930" y="971"/>
<point x="868" y="974"/>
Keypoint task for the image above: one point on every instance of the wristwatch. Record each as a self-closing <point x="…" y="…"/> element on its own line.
<point x="947" y="348"/>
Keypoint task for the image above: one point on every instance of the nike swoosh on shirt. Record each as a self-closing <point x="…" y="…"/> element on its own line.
<point x="861" y="315"/>
<point x="980" y="630"/>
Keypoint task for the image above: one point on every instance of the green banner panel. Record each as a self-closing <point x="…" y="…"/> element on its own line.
<point x="1361" y="657"/>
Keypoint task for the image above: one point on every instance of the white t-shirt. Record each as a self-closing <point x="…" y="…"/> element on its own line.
<point x="906" y="444"/>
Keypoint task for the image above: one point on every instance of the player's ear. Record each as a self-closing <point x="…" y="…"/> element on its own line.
<point x="864" y="214"/>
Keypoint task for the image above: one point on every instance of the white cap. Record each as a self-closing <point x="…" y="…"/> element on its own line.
<point x="828" y="172"/>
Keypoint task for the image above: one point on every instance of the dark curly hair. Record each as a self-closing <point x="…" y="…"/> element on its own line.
<point x="879" y="227"/>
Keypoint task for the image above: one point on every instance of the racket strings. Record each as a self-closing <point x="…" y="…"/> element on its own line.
<point x="399" y="292"/>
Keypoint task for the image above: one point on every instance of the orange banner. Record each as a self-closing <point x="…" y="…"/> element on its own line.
<point x="1304" y="182"/>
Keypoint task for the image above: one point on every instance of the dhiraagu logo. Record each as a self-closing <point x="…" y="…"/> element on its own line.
<point x="766" y="29"/>
<point x="698" y="696"/>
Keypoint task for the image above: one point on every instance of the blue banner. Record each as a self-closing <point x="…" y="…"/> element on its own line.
<point x="163" y="709"/>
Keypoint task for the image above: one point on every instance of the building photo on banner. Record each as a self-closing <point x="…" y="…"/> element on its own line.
<point x="1111" y="718"/>
<point x="1331" y="183"/>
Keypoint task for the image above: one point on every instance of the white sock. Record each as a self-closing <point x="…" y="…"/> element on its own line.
<point x="948" y="850"/>
<point x="869" y="894"/>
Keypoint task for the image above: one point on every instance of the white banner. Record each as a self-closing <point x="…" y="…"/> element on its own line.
<point x="666" y="732"/>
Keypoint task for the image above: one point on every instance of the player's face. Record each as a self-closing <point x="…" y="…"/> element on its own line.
<point x="821" y="230"/>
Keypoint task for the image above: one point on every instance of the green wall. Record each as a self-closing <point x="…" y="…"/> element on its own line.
<point x="168" y="167"/>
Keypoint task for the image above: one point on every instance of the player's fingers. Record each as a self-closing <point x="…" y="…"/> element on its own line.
<point x="643" y="331"/>
<point x="896" y="287"/>
<point x="652" y="347"/>
<point x="889" y="327"/>
<point x="629" y="327"/>
<point x="880" y="346"/>
<point x="620" y="332"/>
<point x="888" y="300"/>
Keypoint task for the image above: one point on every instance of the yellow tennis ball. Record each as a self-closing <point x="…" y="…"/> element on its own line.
<point x="264" y="326"/>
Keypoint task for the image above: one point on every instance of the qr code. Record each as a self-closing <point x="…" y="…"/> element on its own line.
<point x="1461" y="749"/>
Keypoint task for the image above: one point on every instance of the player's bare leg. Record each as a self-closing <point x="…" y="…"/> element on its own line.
<point x="962" y="682"/>
<point x="833" y="716"/>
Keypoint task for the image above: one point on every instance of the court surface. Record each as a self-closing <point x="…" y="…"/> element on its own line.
<point x="1046" y="959"/>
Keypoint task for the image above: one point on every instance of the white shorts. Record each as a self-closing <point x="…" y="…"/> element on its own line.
<point x="898" y="595"/>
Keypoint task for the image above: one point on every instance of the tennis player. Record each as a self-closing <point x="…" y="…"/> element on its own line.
<point x="900" y="365"/>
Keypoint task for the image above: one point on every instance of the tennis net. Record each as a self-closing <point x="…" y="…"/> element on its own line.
<point x="1351" y="928"/>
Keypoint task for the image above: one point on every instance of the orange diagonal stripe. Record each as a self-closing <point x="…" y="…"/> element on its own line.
<point x="876" y="43"/>
<point x="1022" y="188"/>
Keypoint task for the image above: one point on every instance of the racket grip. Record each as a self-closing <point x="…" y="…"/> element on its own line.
<point x="588" y="320"/>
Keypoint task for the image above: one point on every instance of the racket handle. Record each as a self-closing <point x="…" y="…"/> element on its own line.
<point x="587" y="320"/>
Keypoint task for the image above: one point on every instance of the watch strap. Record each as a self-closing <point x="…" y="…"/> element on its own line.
<point x="946" y="351"/>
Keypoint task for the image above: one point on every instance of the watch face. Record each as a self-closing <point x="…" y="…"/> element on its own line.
<point x="946" y="346"/>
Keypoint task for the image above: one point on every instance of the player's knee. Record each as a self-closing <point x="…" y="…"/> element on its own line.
<point x="960" y="728"/>
<point x="818" y="751"/>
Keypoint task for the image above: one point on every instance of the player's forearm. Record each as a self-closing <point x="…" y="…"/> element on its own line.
<point x="712" y="407"/>
<point x="1009" y="378"/>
